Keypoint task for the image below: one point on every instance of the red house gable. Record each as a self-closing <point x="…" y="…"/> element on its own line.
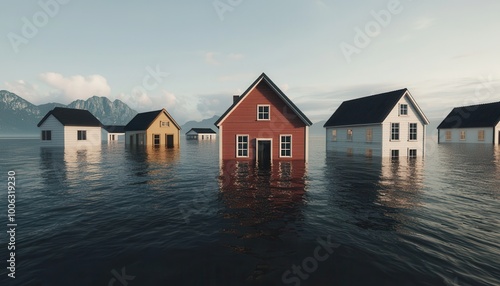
<point x="263" y="125"/>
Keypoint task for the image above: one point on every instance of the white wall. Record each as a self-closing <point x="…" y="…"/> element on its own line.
<point x="71" y="136"/>
<point x="471" y="135"/>
<point x="403" y="144"/>
<point x="52" y="124"/>
<point x="130" y="133"/>
<point x="358" y="145"/>
<point x="497" y="134"/>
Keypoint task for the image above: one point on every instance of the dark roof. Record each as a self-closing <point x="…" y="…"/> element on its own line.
<point x="288" y="102"/>
<point x="366" y="110"/>
<point x="481" y="115"/>
<point x="72" y="117"/>
<point x="114" y="128"/>
<point x="202" y="130"/>
<point x="142" y="121"/>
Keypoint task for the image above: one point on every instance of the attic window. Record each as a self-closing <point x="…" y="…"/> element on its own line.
<point x="164" y="123"/>
<point x="263" y="112"/>
<point x="403" y="109"/>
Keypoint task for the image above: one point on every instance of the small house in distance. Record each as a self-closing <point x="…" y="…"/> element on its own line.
<point x="112" y="133"/>
<point x="201" y="134"/>
<point x="70" y="127"/>
<point x="389" y="124"/>
<point x="263" y="125"/>
<point x="154" y="128"/>
<point x="471" y="124"/>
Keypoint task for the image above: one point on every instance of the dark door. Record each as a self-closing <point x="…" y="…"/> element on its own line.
<point x="131" y="140"/>
<point x="170" y="141"/>
<point x="264" y="152"/>
<point x="498" y="137"/>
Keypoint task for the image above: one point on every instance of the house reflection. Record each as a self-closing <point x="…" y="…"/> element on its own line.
<point x="262" y="202"/>
<point x="374" y="192"/>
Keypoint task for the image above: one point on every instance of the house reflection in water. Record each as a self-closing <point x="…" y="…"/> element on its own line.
<point x="262" y="202"/>
<point x="374" y="192"/>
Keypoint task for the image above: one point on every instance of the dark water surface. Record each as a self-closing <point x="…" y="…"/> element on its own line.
<point x="116" y="216"/>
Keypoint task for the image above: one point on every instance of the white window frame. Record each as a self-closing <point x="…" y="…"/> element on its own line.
<point x="164" y="124"/>
<point x="83" y="136"/>
<point x="409" y="131"/>
<point x="281" y="147"/>
<point x="334" y="135"/>
<point x="480" y="135"/>
<point x="268" y="112"/>
<point x="392" y="154"/>
<point x="349" y="137"/>
<point x="369" y="135"/>
<point x="398" y="133"/>
<point x="409" y="153"/>
<point x="44" y="135"/>
<point x="446" y="137"/>
<point x="159" y="140"/>
<point x="465" y="135"/>
<point x="237" y="146"/>
<point x="401" y="109"/>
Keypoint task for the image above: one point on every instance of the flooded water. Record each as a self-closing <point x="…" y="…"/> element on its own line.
<point x="119" y="216"/>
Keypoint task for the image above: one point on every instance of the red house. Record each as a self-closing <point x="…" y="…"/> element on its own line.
<point x="263" y="125"/>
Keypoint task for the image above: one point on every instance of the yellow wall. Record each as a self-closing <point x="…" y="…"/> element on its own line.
<point x="155" y="128"/>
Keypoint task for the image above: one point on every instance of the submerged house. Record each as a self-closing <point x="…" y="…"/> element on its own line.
<point x="472" y="124"/>
<point x="389" y="124"/>
<point x="112" y="133"/>
<point x="263" y="125"/>
<point x="201" y="134"/>
<point x="70" y="127"/>
<point x="154" y="128"/>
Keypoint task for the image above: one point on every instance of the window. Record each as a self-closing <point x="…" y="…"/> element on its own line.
<point x="242" y="146"/>
<point x="462" y="135"/>
<point x="394" y="131"/>
<point x="412" y="153"/>
<point x="82" y="134"/>
<point x="403" y="109"/>
<point x="263" y="112"/>
<point x="394" y="154"/>
<point x="448" y="135"/>
<point x="156" y="140"/>
<point x="369" y="135"/>
<point x="480" y="135"/>
<point x="334" y="135"/>
<point x="286" y="146"/>
<point x="46" y="135"/>
<point x="413" y="132"/>
<point x="349" y="134"/>
<point x="164" y="124"/>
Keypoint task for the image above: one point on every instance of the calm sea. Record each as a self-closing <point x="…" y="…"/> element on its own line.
<point x="119" y="216"/>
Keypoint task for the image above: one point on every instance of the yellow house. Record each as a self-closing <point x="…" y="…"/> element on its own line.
<point x="154" y="128"/>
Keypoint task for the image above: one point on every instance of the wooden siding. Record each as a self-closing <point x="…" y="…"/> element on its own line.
<point x="471" y="135"/>
<point x="71" y="136"/>
<point x="155" y="128"/>
<point x="57" y="130"/>
<point x="403" y="144"/>
<point x="243" y="121"/>
<point x="359" y="144"/>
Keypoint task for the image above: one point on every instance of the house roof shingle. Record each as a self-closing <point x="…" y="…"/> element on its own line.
<point x="480" y="115"/>
<point x="142" y="121"/>
<point x="72" y="117"/>
<point x="367" y="110"/>
<point x="202" y="130"/>
<point x="287" y="101"/>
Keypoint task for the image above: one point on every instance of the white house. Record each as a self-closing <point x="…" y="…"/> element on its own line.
<point x="70" y="128"/>
<point x="113" y="133"/>
<point x="472" y="124"/>
<point x="201" y="134"/>
<point x="389" y="124"/>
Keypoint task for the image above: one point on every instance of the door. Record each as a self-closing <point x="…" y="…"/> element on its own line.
<point x="131" y="140"/>
<point x="170" y="140"/>
<point x="264" y="152"/>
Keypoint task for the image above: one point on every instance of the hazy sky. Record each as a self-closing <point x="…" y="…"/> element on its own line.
<point x="192" y="56"/>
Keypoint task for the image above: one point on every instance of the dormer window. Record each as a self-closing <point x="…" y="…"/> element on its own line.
<point x="403" y="109"/>
<point x="263" y="112"/>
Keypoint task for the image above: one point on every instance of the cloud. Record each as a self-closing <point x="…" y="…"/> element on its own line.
<point x="26" y="90"/>
<point x="210" y="58"/>
<point x="77" y="86"/>
<point x="284" y="87"/>
<point x="423" y="23"/>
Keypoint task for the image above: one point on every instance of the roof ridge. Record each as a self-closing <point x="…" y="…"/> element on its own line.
<point x="480" y="104"/>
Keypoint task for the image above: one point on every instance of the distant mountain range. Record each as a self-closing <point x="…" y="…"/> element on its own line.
<point x="20" y="117"/>
<point x="205" y="123"/>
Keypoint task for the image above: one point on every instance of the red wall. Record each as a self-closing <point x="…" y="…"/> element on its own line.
<point x="243" y="121"/>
